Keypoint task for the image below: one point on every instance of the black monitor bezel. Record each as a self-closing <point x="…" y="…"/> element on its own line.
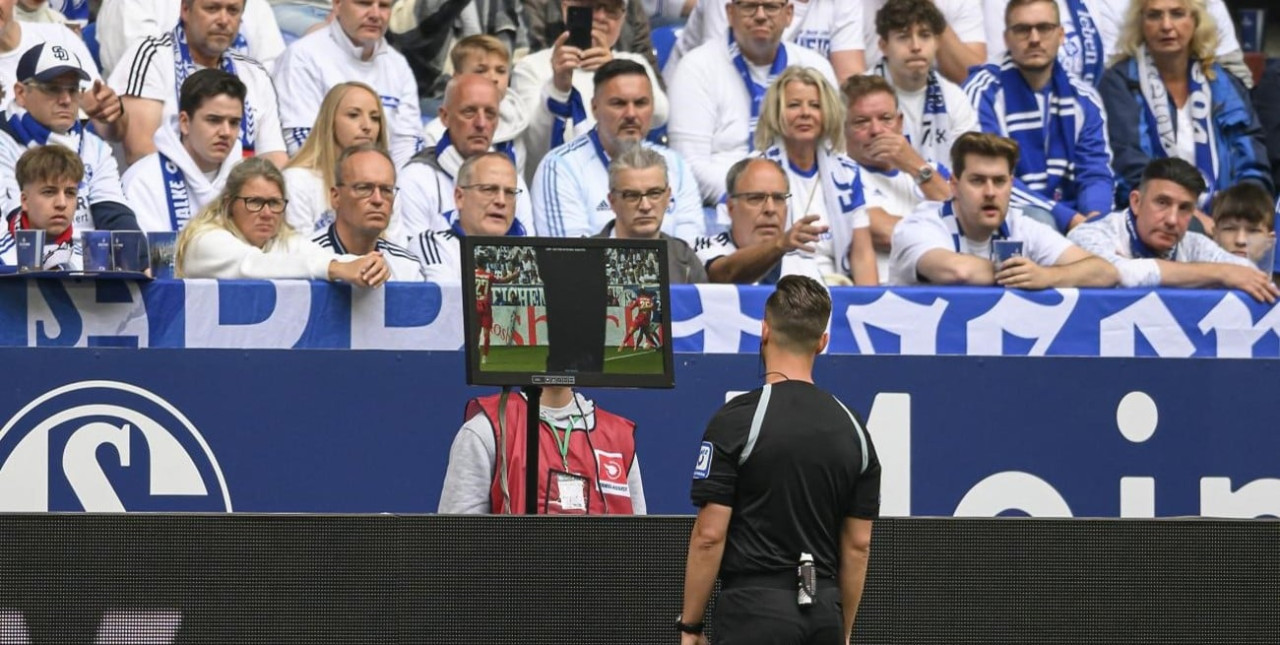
<point x="476" y="376"/>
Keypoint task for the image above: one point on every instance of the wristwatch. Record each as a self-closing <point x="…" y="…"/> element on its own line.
<point x="924" y="174"/>
<point x="687" y="628"/>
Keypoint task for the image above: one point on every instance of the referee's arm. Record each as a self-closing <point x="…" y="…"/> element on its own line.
<point x="706" y="547"/>
<point x="855" y="548"/>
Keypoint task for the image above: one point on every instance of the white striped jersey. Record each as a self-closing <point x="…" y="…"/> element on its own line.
<point x="404" y="266"/>
<point x="440" y="253"/>
<point x="710" y="249"/>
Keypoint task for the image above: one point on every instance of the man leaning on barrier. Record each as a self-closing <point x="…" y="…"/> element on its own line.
<point x="587" y="458"/>
<point x="796" y="471"/>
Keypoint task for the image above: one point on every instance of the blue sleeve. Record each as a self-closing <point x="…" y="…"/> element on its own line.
<point x="1096" y="192"/>
<point x="1266" y="98"/>
<point x="981" y="89"/>
<point x="1124" y="114"/>
<point x="113" y="216"/>
<point x="1244" y="137"/>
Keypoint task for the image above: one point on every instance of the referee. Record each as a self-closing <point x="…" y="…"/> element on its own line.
<point x="783" y="471"/>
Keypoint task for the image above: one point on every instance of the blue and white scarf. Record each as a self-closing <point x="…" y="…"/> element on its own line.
<point x="1083" y="43"/>
<point x="569" y="115"/>
<point x="1160" y="113"/>
<point x="27" y="131"/>
<point x="184" y="66"/>
<point x="755" y="89"/>
<point x="176" y="192"/>
<point x="842" y="197"/>
<point x="1139" y="249"/>
<point x="1047" y="140"/>
<point x="935" y="123"/>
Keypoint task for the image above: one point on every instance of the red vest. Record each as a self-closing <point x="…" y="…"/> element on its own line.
<point x="603" y="456"/>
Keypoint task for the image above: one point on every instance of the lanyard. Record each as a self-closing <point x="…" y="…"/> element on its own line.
<point x="562" y="443"/>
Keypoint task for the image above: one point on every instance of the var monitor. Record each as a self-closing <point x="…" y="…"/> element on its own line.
<point x="567" y="311"/>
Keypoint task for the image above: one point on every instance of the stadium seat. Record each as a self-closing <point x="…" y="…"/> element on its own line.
<point x="664" y="40"/>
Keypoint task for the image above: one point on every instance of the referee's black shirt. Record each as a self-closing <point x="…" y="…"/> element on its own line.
<point x="811" y="466"/>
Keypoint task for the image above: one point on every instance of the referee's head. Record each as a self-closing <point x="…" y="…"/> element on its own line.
<point x="796" y="316"/>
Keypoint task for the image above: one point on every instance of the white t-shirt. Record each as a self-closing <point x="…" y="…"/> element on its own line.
<point x="709" y="249"/>
<point x="1108" y="238"/>
<point x="963" y="16"/>
<point x="309" y="210"/>
<point x="316" y="62"/>
<point x="823" y="26"/>
<point x="935" y="144"/>
<point x="897" y="194"/>
<point x="711" y="110"/>
<point x="807" y="199"/>
<point x="927" y="228"/>
<point x="149" y="72"/>
<point x="122" y="23"/>
<point x="1186" y="134"/>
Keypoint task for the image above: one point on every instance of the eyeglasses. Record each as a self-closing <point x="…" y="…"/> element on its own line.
<point x="256" y="204"/>
<point x="633" y="197"/>
<point x="491" y="190"/>
<point x="756" y="200"/>
<point x="56" y="89"/>
<point x="750" y="8"/>
<point x="364" y="190"/>
<point x="1023" y="30"/>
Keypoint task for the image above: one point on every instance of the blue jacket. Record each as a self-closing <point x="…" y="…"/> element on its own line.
<point x="1089" y="185"/>
<point x="1266" y="102"/>
<point x="1242" y="154"/>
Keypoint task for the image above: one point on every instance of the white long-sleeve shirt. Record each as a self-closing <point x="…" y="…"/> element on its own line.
<point x="711" y="109"/>
<point x="122" y="23"/>
<point x="1108" y="238"/>
<point x="218" y="254"/>
<point x="532" y="86"/>
<point x="571" y="192"/>
<point x="824" y="26"/>
<point x="313" y="64"/>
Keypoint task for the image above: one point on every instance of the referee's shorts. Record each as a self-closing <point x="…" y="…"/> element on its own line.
<point x="762" y="609"/>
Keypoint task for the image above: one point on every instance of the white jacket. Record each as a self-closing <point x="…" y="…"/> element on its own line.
<point x="148" y="190"/>
<point x="218" y="254"/>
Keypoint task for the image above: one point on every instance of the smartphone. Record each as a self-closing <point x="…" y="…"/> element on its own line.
<point x="579" y="25"/>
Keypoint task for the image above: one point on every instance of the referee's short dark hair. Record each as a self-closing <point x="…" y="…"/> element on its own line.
<point x="206" y="84"/>
<point x="1176" y="170"/>
<point x="797" y="313"/>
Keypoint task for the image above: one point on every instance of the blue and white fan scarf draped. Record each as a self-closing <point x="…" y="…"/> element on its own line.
<point x="935" y="120"/>
<point x="1083" y="44"/>
<point x="1047" y="140"/>
<point x="1163" y="132"/>
<point x="755" y="89"/>
<point x="184" y="66"/>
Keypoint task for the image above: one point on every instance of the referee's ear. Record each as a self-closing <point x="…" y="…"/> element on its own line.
<point x="822" y="343"/>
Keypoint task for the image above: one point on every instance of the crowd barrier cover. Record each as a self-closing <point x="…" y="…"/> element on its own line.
<point x="279" y="430"/>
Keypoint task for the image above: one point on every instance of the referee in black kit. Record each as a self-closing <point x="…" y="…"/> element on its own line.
<point x="786" y="475"/>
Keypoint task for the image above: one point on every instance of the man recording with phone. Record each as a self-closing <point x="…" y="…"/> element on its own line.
<point x="797" y="473"/>
<point x="554" y="87"/>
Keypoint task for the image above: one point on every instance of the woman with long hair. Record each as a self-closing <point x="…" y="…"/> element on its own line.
<point x="350" y="114"/>
<point x="1165" y="96"/>
<point x="243" y="235"/>
<point x="802" y="128"/>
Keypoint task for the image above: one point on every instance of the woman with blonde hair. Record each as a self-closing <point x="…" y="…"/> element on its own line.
<point x="1165" y="96"/>
<point x="350" y="114"/>
<point x="243" y="235"/>
<point x="802" y="128"/>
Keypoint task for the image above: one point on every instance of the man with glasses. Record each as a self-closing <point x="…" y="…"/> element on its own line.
<point x="1064" y="174"/>
<point x="554" y="86"/>
<point x="895" y="177"/>
<point x="45" y="112"/>
<point x="151" y="74"/>
<point x="639" y="195"/>
<point x="571" y="191"/>
<point x="759" y="247"/>
<point x="470" y="117"/>
<point x="718" y="89"/>
<point x="193" y="156"/>
<point x="485" y="196"/>
<point x="364" y="190"/>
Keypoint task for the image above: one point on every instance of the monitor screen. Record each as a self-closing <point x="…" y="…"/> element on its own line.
<point x="567" y="311"/>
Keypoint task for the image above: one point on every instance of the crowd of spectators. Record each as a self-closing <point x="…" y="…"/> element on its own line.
<point x="774" y="137"/>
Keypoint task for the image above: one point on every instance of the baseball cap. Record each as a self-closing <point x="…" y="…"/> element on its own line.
<point x="48" y="61"/>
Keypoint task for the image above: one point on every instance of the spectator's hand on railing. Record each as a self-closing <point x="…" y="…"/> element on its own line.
<point x="1251" y="281"/>
<point x="369" y="270"/>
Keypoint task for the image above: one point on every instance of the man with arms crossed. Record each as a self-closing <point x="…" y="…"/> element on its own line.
<point x="951" y="242"/>
<point x="796" y="471"/>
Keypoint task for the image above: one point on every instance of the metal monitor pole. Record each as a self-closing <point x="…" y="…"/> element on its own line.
<point x="533" y="432"/>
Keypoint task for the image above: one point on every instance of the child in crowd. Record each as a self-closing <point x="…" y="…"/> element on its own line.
<point x="1243" y="220"/>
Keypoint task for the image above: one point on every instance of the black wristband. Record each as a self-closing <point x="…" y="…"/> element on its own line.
<point x="688" y="628"/>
